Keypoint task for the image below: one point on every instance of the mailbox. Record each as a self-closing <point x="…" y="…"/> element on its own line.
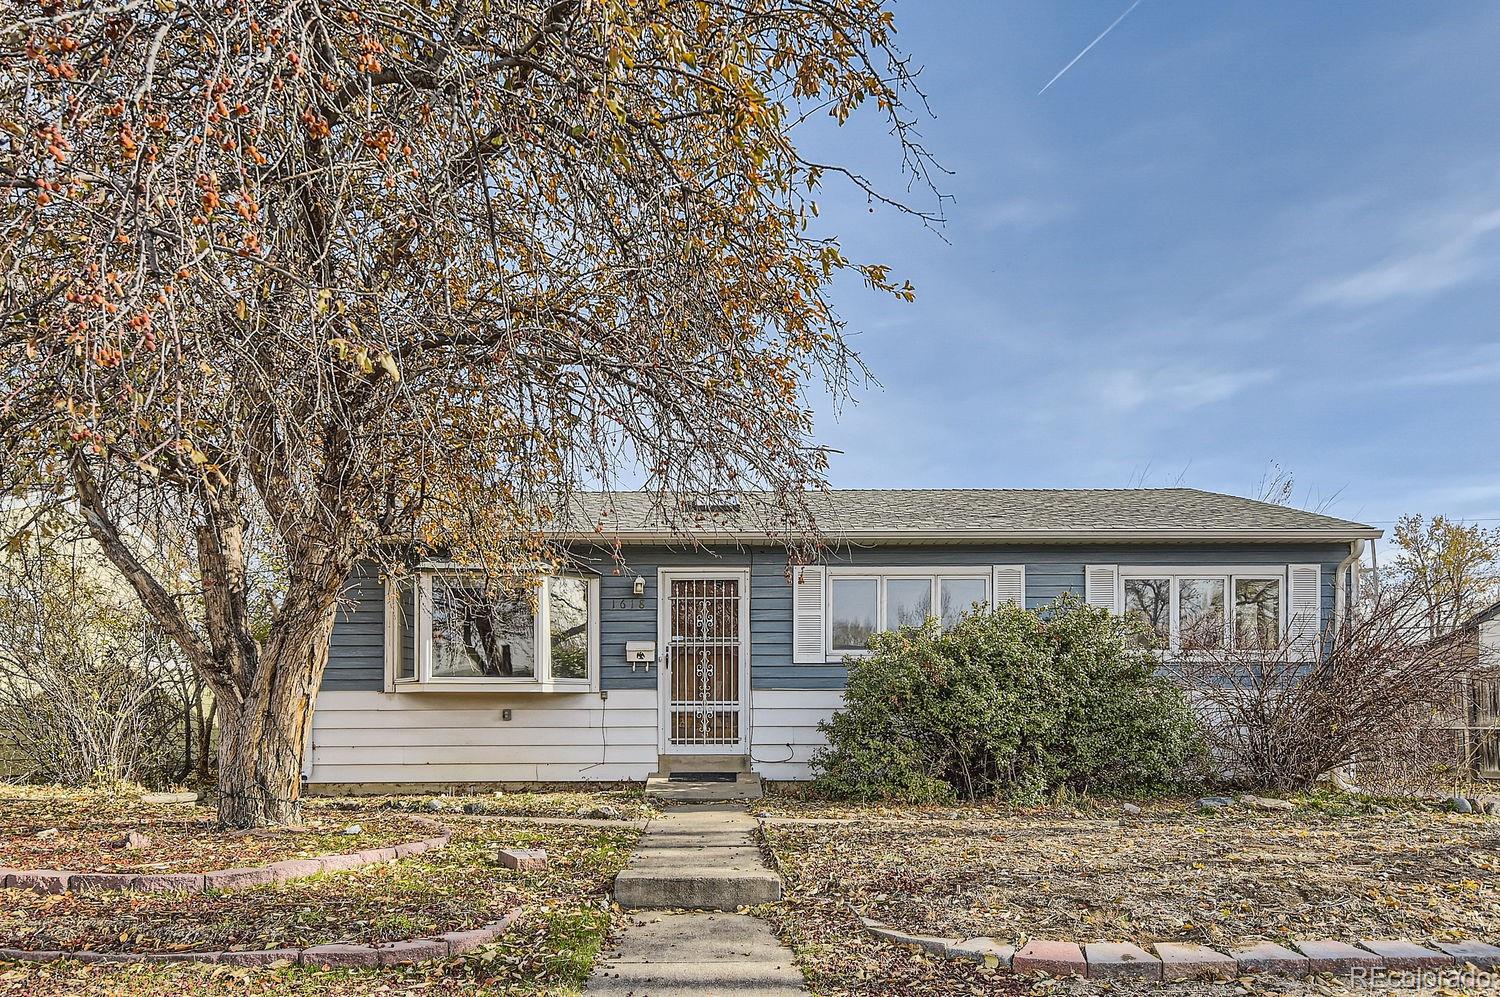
<point x="640" y="652"/>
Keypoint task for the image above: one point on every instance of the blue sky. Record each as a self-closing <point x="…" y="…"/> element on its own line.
<point x="1233" y="233"/>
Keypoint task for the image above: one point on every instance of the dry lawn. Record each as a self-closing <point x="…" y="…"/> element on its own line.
<point x="1168" y="874"/>
<point x="50" y="828"/>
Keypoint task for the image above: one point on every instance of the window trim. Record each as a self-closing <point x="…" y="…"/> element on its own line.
<point x="422" y="679"/>
<point x="1228" y="573"/>
<point x="935" y="574"/>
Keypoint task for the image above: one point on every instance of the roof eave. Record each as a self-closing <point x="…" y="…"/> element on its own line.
<point x="941" y="537"/>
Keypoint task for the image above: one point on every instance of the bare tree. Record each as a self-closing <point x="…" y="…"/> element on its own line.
<point x="295" y="283"/>
<point x="81" y="673"/>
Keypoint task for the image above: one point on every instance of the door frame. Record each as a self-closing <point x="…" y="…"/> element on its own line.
<point x="664" y="579"/>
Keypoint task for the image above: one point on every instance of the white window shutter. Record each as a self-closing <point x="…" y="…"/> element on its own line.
<point x="1010" y="584"/>
<point x="392" y="637"/>
<point x="1306" y="605"/>
<point x="808" y="615"/>
<point x="1099" y="585"/>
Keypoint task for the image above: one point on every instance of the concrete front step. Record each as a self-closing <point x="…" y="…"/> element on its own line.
<point x="746" y="787"/>
<point x="667" y="764"/>
<point x="696" y="888"/>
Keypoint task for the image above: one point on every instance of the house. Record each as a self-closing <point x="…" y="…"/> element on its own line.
<point x="1479" y="698"/>
<point x="651" y="646"/>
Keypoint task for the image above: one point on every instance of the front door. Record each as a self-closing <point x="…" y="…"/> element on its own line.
<point x="705" y="625"/>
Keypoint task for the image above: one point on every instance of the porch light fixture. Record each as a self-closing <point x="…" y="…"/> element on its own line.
<point x="639" y="586"/>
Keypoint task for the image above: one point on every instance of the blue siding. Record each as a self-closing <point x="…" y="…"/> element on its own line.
<point x="357" y="653"/>
<point x="356" y="650"/>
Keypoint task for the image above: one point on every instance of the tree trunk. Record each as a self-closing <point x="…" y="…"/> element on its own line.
<point x="261" y="738"/>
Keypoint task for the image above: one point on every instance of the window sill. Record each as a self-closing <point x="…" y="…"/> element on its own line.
<point x="491" y="686"/>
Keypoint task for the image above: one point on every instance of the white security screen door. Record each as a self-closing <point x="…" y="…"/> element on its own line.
<point x="705" y="623"/>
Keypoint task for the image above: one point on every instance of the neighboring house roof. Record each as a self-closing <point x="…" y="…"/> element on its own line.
<point x="956" y="515"/>
<point x="1483" y="616"/>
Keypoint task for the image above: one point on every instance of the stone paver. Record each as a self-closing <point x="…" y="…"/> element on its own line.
<point x="1327" y="956"/>
<point x="1402" y="955"/>
<point x="1120" y="961"/>
<point x="1190" y="961"/>
<point x="991" y="952"/>
<point x="1268" y="957"/>
<point x="523" y="858"/>
<point x="40" y="880"/>
<point x="169" y="882"/>
<point x="100" y="882"/>
<point x="230" y="879"/>
<point x="340" y="954"/>
<point x="1481" y="954"/>
<point x="411" y="950"/>
<point x="258" y="957"/>
<point x="1055" y="958"/>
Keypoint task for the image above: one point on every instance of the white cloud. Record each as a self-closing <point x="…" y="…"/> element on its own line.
<point x="1479" y="365"/>
<point x="1425" y="266"/>
<point x="1180" y="388"/>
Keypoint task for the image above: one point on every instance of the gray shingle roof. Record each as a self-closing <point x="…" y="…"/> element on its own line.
<point x="934" y="514"/>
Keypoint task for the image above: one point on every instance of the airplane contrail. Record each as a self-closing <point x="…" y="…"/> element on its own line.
<point x="1090" y="45"/>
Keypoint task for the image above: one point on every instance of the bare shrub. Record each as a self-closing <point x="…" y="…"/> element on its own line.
<point x="1372" y="692"/>
<point x="82" y="671"/>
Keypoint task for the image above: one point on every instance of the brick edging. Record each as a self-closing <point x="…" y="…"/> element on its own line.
<point x="410" y="950"/>
<point x="1172" y="961"/>
<point x="64" y="881"/>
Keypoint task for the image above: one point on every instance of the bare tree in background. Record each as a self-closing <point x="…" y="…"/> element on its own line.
<point x="1446" y="570"/>
<point x="82" y="673"/>
<point x="294" y="281"/>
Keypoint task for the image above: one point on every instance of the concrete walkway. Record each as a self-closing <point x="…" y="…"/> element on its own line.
<point x="703" y="857"/>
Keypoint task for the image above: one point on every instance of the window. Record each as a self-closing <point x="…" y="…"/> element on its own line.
<point x="1188" y="609"/>
<point x="1150" y="601"/>
<point x="472" y="632"/>
<point x="1200" y="613"/>
<point x="568" y="626"/>
<point x="1257" y="612"/>
<point x="864" y="602"/>
<point x="908" y="602"/>
<point x="856" y="612"/>
<point x="957" y="597"/>
<point x="477" y="632"/>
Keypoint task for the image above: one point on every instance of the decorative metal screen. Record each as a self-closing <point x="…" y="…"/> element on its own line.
<point x="703" y="662"/>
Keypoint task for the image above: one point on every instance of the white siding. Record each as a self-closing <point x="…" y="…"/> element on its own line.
<point x="427" y="738"/>
<point x="785" y="734"/>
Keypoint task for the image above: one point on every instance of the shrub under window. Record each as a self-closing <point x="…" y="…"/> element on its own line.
<point x="1007" y="702"/>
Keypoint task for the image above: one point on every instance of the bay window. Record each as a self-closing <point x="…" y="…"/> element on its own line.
<point x="1196" y="609"/>
<point x="864" y="602"/>
<point x="461" y="629"/>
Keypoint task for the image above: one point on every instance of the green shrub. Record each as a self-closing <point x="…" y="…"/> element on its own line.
<point x="1009" y="702"/>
